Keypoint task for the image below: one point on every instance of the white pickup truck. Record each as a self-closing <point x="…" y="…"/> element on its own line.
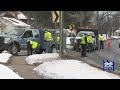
<point x="79" y="36"/>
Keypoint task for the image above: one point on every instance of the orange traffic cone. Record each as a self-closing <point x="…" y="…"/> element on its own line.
<point x="108" y="42"/>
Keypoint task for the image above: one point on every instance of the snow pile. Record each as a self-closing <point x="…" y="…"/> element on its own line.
<point x="4" y="57"/>
<point x="41" y="58"/>
<point x="115" y="37"/>
<point x="6" y="73"/>
<point x="71" y="69"/>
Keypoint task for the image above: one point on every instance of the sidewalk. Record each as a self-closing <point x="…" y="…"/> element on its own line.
<point x="19" y="65"/>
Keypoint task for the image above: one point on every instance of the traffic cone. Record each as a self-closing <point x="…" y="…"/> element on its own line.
<point x="108" y="42"/>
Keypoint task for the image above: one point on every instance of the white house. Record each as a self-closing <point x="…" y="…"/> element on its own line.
<point x="15" y="14"/>
<point x="7" y="24"/>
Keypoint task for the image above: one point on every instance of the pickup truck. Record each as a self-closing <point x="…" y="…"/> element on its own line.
<point x="93" y="32"/>
<point x="16" y="40"/>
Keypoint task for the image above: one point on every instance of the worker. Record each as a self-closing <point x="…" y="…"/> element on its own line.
<point x="48" y="39"/>
<point x="58" y="41"/>
<point x="30" y="46"/>
<point x="90" y="42"/>
<point x="101" y="39"/>
<point x="83" y="45"/>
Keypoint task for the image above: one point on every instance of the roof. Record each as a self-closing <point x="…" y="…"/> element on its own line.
<point x="12" y="14"/>
<point x="15" y="21"/>
<point x="21" y="16"/>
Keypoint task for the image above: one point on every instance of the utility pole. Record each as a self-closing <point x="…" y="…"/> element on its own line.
<point x="56" y="37"/>
<point x="61" y="33"/>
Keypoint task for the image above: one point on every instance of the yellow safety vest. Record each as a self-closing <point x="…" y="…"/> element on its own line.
<point x="48" y="36"/>
<point x="58" y="39"/>
<point x="34" y="44"/>
<point x="89" y="39"/>
<point x="83" y="39"/>
<point x="101" y="38"/>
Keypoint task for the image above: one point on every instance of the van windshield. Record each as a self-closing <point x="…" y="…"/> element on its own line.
<point x="81" y="33"/>
<point x="16" y="32"/>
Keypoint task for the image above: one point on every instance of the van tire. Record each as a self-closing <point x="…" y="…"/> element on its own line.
<point x="13" y="49"/>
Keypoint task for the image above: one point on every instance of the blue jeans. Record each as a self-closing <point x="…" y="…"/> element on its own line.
<point x="48" y="47"/>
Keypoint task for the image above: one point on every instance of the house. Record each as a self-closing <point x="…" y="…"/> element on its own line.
<point x="7" y="24"/>
<point x="15" y="14"/>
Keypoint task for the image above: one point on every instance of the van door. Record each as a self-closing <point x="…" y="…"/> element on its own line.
<point x="37" y="37"/>
<point x="28" y="35"/>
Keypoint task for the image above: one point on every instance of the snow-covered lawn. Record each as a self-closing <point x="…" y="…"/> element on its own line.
<point x="4" y="57"/>
<point x="41" y="58"/>
<point x="71" y="69"/>
<point x="7" y="73"/>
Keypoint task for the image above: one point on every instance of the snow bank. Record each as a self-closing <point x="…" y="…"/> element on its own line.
<point x="4" y="57"/>
<point x="40" y="58"/>
<point x="71" y="69"/>
<point x="6" y="73"/>
<point x="115" y="37"/>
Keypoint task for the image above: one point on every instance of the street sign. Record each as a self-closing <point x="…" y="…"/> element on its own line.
<point x="72" y="27"/>
<point x="55" y="16"/>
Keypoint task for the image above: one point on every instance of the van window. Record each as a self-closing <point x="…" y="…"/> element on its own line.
<point x="36" y="34"/>
<point x="28" y="34"/>
<point x="16" y="32"/>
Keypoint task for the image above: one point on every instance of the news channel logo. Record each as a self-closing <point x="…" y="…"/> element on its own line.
<point x="108" y="65"/>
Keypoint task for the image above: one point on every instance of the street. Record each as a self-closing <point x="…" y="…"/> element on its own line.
<point x="96" y="58"/>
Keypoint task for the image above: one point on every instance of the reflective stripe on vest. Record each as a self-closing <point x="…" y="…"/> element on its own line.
<point x="101" y="38"/>
<point x="89" y="39"/>
<point x="58" y="39"/>
<point x="48" y="36"/>
<point x="83" y="40"/>
<point x="34" y="44"/>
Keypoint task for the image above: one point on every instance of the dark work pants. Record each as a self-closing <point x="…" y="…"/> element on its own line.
<point x="29" y="48"/>
<point x="58" y="46"/>
<point x="48" y="46"/>
<point x="101" y="45"/>
<point x="90" y="47"/>
<point x="83" y="52"/>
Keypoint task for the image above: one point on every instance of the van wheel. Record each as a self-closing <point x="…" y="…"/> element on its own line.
<point x="13" y="49"/>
